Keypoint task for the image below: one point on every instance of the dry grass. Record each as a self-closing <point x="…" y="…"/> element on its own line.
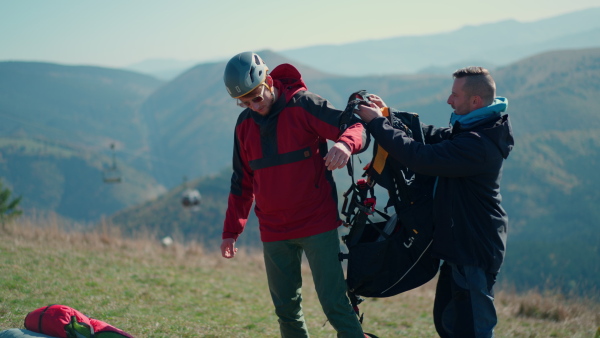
<point x="187" y="291"/>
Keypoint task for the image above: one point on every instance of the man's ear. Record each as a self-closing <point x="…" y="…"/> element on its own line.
<point x="269" y="81"/>
<point x="476" y="102"/>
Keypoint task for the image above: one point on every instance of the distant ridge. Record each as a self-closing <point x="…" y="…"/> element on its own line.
<point x="164" y="69"/>
<point x="498" y="44"/>
<point x="74" y="104"/>
<point x="509" y="41"/>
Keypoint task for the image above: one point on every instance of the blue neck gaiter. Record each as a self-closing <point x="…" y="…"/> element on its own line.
<point x="495" y="109"/>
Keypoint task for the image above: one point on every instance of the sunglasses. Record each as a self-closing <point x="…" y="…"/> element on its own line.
<point x="257" y="99"/>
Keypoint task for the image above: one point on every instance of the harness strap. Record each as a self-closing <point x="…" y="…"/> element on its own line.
<point x="355" y="301"/>
<point x="382" y="154"/>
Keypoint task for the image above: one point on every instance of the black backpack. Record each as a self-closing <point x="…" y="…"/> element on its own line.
<point x="392" y="255"/>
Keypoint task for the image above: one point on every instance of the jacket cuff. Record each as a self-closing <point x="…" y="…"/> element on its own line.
<point x="230" y="235"/>
<point x="376" y="123"/>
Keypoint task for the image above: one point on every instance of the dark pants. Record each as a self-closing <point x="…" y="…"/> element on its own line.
<point x="283" y="260"/>
<point x="464" y="302"/>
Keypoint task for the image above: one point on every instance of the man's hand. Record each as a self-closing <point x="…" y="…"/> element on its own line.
<point x="338" y="156"/>
<point x="377" y="100"/>
<point x="228" y="248"/>
<point x="368" y="113"/>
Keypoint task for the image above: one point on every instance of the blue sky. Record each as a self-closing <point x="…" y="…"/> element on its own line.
<point x="118" y="33"/>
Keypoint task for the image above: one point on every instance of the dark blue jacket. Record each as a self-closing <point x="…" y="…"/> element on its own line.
<point x="470" y="224"/>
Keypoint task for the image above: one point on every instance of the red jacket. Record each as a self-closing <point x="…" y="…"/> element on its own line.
<point x="278" y="163"/>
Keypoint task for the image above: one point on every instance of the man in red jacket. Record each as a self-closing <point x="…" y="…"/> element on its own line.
<point x="281" y="162"/>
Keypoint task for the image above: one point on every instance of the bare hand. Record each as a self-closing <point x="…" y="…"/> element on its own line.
<point x="338" y="156"/>
<point x="368" y="113"/>
<point x="228" y="248"/>
<point x="377" y="100"/>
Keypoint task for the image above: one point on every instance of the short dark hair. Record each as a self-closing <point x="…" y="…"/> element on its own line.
<point x="478" y="82"/>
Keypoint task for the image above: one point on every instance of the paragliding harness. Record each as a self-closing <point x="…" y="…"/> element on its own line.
<point x="388" y="253"/>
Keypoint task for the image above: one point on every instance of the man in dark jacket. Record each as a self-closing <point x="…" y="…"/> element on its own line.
<point x="470" y="225"/>
<point x="281" y="162"/>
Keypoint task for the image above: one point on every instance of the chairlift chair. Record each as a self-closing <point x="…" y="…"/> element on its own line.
<point x="112" y="174"/>
<point x="191" y="198"/>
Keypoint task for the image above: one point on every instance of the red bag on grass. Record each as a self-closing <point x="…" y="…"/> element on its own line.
<point x="65" y="322"/>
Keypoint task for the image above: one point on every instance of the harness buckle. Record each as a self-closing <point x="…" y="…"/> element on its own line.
<point x="370" y="203"/>
<point x="362" y="184"/>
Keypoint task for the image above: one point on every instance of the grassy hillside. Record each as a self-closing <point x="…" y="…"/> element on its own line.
<point x="187" y="291"/>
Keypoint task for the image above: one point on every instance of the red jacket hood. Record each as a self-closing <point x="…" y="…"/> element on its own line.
<point x="288" y="80"/>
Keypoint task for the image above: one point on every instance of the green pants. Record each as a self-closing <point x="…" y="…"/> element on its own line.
<point x="283" y="260"/>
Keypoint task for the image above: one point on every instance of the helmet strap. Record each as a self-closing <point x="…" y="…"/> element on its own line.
<point x="270" y="85"/>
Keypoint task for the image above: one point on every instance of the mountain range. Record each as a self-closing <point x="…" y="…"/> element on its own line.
<point x="490" y="45"/>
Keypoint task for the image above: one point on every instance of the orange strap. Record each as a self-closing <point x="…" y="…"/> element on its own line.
<point x="381" y="155"/>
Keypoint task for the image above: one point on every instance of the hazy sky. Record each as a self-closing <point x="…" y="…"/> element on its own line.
<point x="118" y="33"/>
